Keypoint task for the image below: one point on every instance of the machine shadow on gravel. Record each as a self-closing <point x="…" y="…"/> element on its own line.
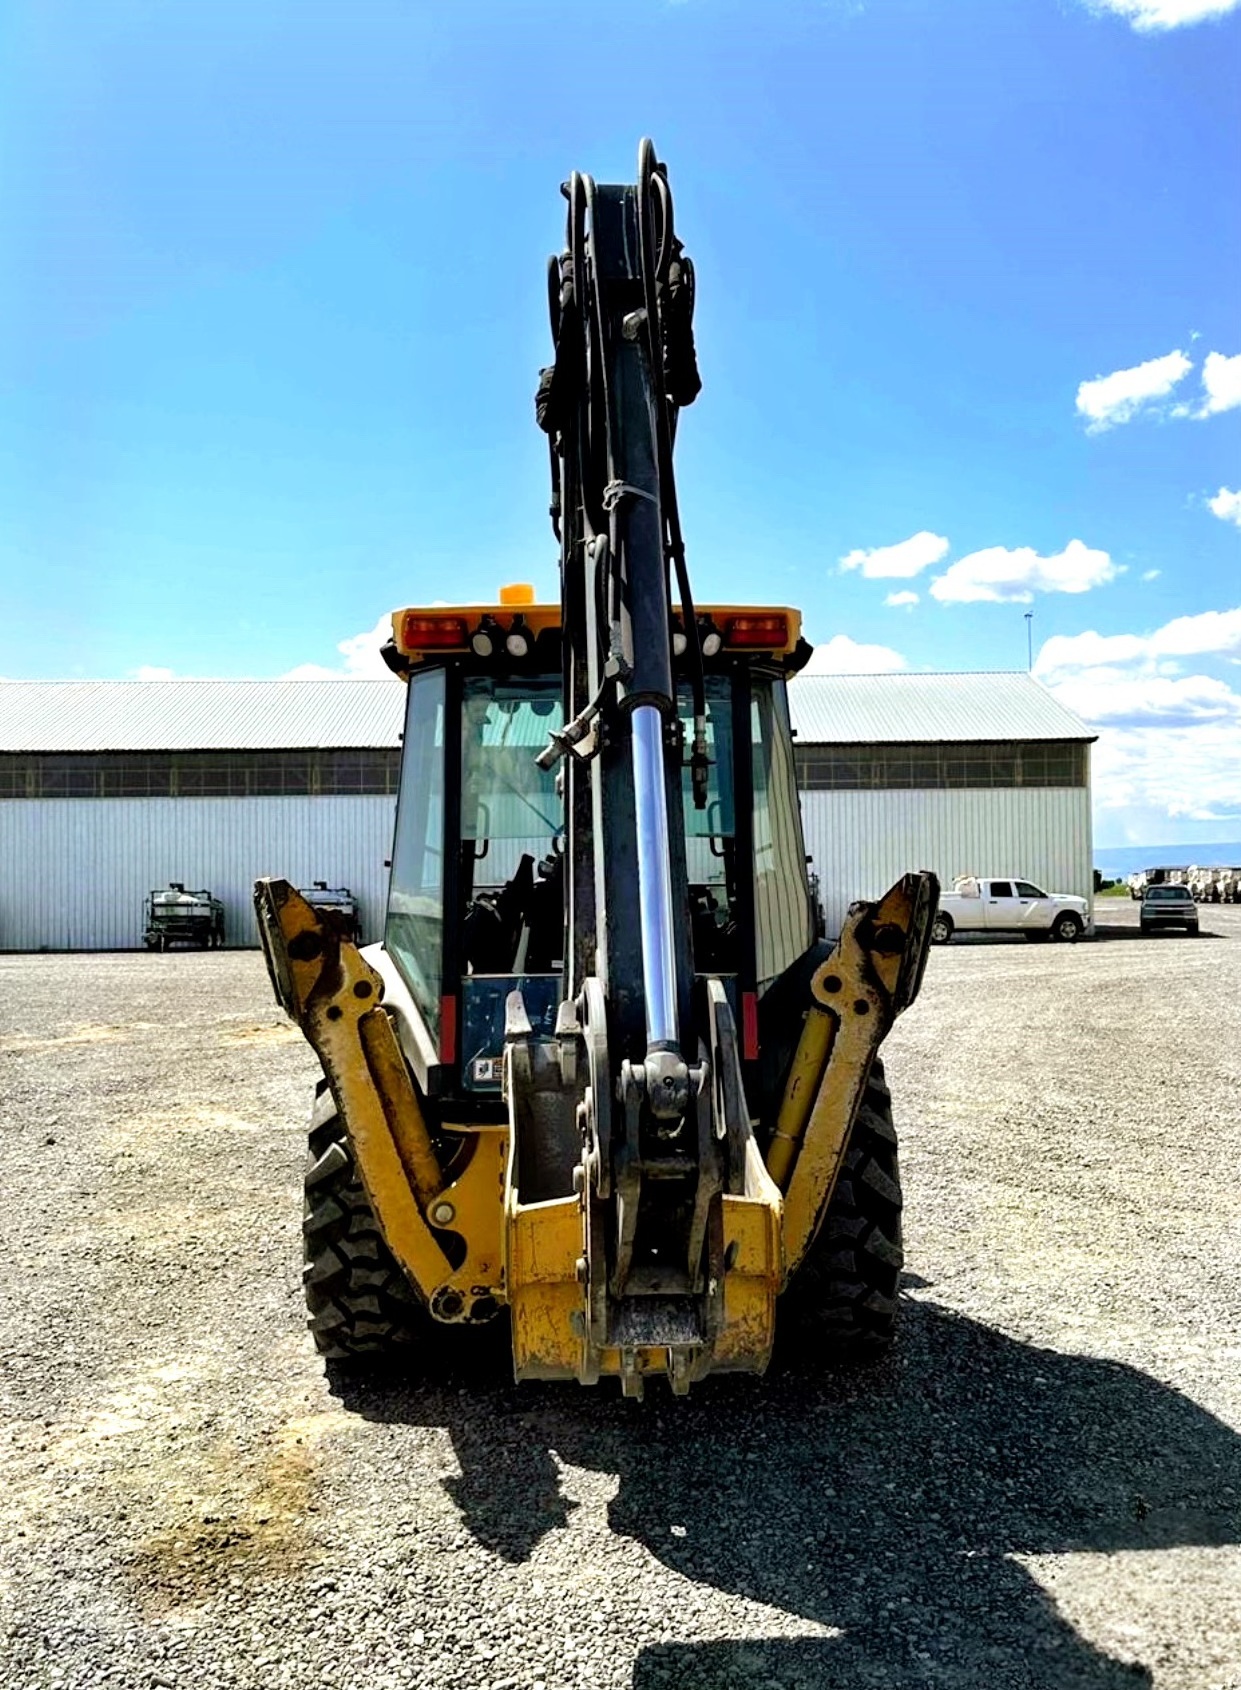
<point x="885" y="1503"/>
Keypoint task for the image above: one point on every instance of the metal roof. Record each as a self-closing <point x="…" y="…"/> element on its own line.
<point x="870" y="709"/>
<point x="89" y="716"/>
<point x="199" y="715"/>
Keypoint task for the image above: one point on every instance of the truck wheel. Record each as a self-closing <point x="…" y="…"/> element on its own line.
<point x="941" y="929"/>
<point x="1066" y="928"/>
<point x="846" y="1288"/>
<point x="358" y="1301"/>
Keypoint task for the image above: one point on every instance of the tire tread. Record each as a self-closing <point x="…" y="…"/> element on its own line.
<point x="359" y="1303"/>
<point x="847" y="1287"/>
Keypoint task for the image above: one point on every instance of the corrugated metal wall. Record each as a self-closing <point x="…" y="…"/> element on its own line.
<point x="862" y="841"/>
<point x="74" y="873"/>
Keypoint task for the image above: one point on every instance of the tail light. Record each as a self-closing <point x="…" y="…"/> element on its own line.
<point x="769" y="632"/>
<point x="420" y="632"/>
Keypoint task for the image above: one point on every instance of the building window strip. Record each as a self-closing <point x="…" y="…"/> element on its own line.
<point x="922" y="766"/>
<point x="353" y="772"/>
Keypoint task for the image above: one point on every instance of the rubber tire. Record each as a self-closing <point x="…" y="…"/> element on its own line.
<point x="359" y="1304"/>
<point x="1066" y="929"/>
<point x="846" y="1289"/>
<point x="941" y="929"/>
<point x="1191" y="932"/>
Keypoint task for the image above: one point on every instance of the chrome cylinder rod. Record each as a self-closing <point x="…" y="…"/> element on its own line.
<point x="659" y="971"/>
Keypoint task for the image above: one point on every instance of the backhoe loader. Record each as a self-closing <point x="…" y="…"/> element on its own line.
<point x="601" y="1078"/>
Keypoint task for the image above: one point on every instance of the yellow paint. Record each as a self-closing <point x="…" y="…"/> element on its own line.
<point x="517" y="593"/>
<point x="850" y="1014"/>
<point x="542" y="1244"/>
<point x="534" y="1255"/>
<point x="801" y="1088"/>
<point x="335" y="997"/>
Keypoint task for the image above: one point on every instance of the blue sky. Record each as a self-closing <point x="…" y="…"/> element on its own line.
<point x="272" y="303"/>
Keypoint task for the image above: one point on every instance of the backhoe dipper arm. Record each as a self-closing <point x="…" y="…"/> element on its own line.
<point x="621" y="299"/>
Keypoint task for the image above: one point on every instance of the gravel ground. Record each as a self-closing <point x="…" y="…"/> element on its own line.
<point x="1042" y="1487"/>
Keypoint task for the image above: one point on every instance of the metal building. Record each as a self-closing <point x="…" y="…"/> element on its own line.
<point x="109" y="789"/>
<point x="962" y="774"/>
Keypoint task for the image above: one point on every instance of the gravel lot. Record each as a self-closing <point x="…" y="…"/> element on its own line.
<point x="1042" y="1487"/>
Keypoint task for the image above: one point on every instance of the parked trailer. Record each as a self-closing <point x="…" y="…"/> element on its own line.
<point x="175" y="916"/>
<point x="1162" y="876"/>
<point x="1203" y="884"/>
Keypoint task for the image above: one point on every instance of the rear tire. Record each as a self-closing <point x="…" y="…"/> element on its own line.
<point x="941" y="929"/>
<point x="358" y="1301"/>
<point x="846" y="1290"/>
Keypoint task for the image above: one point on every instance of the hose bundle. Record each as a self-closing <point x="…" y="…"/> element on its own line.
<point x="647" y="296"/>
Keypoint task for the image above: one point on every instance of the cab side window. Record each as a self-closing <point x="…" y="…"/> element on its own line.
<point x="1001" y="889"/>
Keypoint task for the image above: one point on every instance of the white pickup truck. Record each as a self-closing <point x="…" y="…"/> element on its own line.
<point x="977" y="905"/>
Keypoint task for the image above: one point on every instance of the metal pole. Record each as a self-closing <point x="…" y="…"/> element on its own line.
<point x="1029" y="639"/>
<point x="659" y="977"/>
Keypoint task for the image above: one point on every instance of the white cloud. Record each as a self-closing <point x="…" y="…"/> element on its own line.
<point x="1108" y="400"/>
<point x="1148" y="773"/>
<point x="1213" y="633"/>
<point x="360" y="652"/>
<point x="1064" y="654"/>
<point x="901" y="561"/>
<point x="842" y="656"/>
<point x="1000" y="575"/>
<point x="152" y="672"/>
<point x="1151" y="574"/>
<point x="908" y="600"/>
<point x="1169" y="744"/>
<point x="1109" y="696"/>
<point x="1152" y="15"/>
<point x="1227" y="506"/>
<point x="1221" y="377"/>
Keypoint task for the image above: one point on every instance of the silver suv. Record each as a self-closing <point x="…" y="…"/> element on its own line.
<point x="1168" y="906"/>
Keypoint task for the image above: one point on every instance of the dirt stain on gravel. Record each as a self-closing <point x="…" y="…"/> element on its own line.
<point x="138" y="1130"/>
<point x="250" y="1524"/>
<point x="87" y="1034"/>
<point x="276" y="1033"/>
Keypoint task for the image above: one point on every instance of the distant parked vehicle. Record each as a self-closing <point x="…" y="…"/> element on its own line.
<point x="1163" y="876"/>
<point x="1204" y="884"/>
<point x="1168" y="906"/>
<point x="1008" y="906"/>
<point x="175" y="916"/>
<point x="340" y="902"/>
<point x="1230" y="885"/>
